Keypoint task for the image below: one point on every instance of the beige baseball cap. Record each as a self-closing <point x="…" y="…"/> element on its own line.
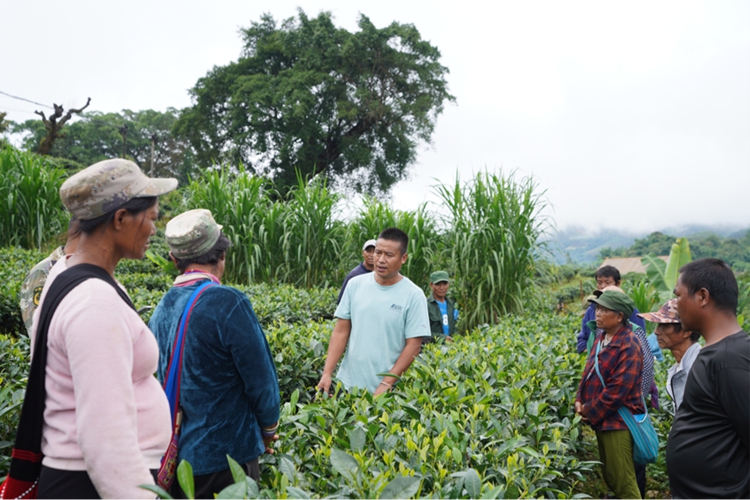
<point x="192" y="233"/>
<point x="108" y="185"/>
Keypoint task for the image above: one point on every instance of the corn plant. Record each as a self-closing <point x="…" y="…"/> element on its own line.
<point x="240" y="202"/>
<point x="425" y="241"/>
<point x="645" y="296"/>
<point x="32" y="212"/>
<point x="313" y="237"/>
<point x="494" y="225"/>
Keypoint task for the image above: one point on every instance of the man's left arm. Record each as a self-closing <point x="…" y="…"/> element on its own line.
<point x="411" y="351"/>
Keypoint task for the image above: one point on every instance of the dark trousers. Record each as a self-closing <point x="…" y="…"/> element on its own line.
<point x="56" y="483"/>
<point x="208" y="485"/>
<point x="640" y="478"/>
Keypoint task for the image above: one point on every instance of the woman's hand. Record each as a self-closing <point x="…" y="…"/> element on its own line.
<point x="581" y="410"/>
<point x="268" y="441"/>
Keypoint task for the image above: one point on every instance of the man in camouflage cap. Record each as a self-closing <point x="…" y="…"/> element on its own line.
<point x="683" y="344"/>
<point x="108" y="185"/>
<point x="31" y="289"/>
<point x="228" y="389"/>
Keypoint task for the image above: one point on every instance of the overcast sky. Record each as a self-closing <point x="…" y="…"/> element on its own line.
<point x="632" y="115"/>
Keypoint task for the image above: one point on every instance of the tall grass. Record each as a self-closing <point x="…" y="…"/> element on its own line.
<point x="424" y="240"/>
<point x="31" y="212"/>
<point x="492" y="233"/>
<point x="240" y="203"/>
<point x="313" y="236"/>
<point x="297" y="241"/>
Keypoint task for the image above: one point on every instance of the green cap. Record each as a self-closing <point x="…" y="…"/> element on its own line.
<point x="108" y="185"/>
<point x="616" y="301"/>
<point x="192" y="233"/>
<point x="439" y="276"/>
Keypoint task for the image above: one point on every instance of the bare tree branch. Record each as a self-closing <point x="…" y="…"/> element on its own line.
<point x="54" y="127"/>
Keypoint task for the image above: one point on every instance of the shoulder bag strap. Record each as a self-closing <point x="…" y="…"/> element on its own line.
<point x="27" y="453"/>
<point x="174" y="370"/>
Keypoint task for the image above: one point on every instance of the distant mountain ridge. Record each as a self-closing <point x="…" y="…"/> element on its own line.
<point x="581" y="245"/>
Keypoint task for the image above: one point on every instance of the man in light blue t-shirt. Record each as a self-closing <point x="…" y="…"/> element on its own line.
<point x="381" y="320"/>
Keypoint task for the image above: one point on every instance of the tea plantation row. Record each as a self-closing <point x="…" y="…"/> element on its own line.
<point x="487" y="416"/>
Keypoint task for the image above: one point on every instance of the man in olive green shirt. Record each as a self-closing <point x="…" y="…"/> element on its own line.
<point x="442" y="310"/>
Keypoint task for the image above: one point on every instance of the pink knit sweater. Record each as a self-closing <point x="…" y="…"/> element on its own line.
<point x="105" y="412"/>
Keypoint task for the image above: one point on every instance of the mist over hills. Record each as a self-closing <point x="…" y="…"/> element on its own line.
<point x="582" y="245"/>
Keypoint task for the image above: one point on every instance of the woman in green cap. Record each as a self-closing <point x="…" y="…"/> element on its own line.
<point x="106" y="420"/>
<point x="617" y="354"/>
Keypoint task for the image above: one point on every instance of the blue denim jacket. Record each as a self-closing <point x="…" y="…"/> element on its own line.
<point x="229" y="387"/>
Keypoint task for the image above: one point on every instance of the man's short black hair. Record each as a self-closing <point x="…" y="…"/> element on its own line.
<point x="717" y="277"/>
<point x="211" y="257"/>
<point x="608" y="272"/>
<point x="694" y="336"/>
<point x="395" y="234"/>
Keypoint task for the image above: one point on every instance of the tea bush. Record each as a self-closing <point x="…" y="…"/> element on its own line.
<point x="490" y="414"/>
<point x="14" y="368"/>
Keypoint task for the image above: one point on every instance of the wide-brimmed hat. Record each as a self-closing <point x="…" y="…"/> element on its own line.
<point x="108" y="185"/>
<point x="616" y="301"/>
<point x="666" y="313"/>
<point x="192" y="233"/>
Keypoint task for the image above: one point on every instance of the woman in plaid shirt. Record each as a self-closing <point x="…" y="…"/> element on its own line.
<point x="620" y="363"/>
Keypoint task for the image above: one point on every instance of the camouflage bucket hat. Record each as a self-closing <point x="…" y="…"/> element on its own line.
<point x="108" y="185"/>
<point x="666" y="313"/>
<point x="192" y="233"/>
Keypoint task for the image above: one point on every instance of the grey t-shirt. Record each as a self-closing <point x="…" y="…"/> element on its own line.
<point x="382" y="317"/>
<point x="678" y="373"/>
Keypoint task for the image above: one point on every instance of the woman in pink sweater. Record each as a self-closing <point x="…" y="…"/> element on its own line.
<point x="106" y="418"/>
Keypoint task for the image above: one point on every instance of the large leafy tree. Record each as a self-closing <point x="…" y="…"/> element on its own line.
<point x="98" y="136"/>
<point x="310" y="97"/>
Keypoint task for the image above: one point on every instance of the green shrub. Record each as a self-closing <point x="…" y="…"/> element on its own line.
<point x="14" y="372"/>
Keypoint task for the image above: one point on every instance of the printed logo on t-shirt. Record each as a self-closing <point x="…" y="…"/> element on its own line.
<point x="396" y="307"/>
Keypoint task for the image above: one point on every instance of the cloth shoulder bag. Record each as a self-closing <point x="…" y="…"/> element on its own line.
<point x="645" y="440"/>
<point x="168" y="467"/>
<point x="26" y="457"/>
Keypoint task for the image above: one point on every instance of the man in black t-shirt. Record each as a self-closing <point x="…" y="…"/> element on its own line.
<point x="708" y="451"/>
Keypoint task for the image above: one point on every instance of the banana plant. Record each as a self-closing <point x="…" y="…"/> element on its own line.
<point x="663" y="276"/>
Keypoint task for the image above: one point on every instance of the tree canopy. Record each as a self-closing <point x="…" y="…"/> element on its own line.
<point x="98" y="136"/>
<point x="310" y="97"/>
